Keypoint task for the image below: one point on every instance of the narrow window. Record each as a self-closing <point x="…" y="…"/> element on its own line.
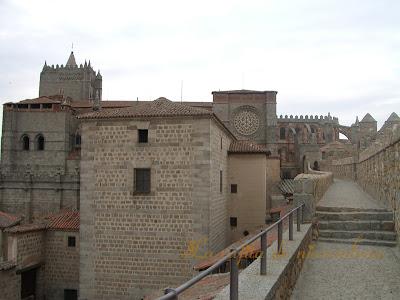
<point x="233" y="221"/>
<point x="143" y="135"/>
<point x="282" y="133"/>
<point x="70" y="294"/>
<point x="221" y="143"/>
<point x="25" y="142"/>
<point x="142" y="180"/>
<point x="233" y="188"/>
<point x="71" y="241"/>
<point x="40" y="143"/>
<point x="78" y="140"/>
<point x="220" y="181"/>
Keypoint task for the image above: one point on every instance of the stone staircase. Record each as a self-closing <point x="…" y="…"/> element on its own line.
<point x="355" y="225"/>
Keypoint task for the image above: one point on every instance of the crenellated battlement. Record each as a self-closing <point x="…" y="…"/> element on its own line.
<point x="308" y="119"/>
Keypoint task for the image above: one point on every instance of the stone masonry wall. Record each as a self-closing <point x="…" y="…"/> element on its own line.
<point x="134" y="243"/>
<point x="309" y="189"/>
<point x="10" y="284"/>
<point x="377" y="170"/>
<point x="30" y="248"/>
<point x="62" y="264"/>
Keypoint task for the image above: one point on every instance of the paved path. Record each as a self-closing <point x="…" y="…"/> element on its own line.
<point x="343" y="193"/>
<point x="330" y="273"/>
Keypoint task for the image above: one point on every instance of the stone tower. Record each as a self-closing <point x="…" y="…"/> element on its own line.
<point x="78" y="82"/>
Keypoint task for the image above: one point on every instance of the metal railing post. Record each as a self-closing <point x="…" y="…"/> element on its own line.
<point x="298" y="219"/>
<point x="234" y="279"/>
<point x="263" y="266"/>
<point x="169" y="290"/>
<point x="291" y="227"/>
<point x="280" y="237"/>
<point x="302" y="214"/>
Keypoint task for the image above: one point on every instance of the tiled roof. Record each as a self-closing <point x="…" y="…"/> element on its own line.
<point x="67" y="220"/>
<point x="26" y="228"/>
<point x="241" y="92"/>
<point x="246" y="147"/>
<point x="41" y="100"/>
<point x="158" y="108"/>
<point x="8" y="220"/>
<point x="104" y="104"/>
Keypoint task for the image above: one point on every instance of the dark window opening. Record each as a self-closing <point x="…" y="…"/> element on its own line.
<point x="312" y="130"/>
<point x="316" y="166"/>
<point x="35" y="106"/>
<point x="23" y="106"/>
<point x="282" y="133"/>
<point x="25" y="143"/>
<point x="143" y="135"/>
<point x="233" y="188"/>
<point x="233" y="221"/>
<point x="71" y="241"/>
<point x="40" y="143"/>
<point x="220" y="181"/>
<point x="245" y="233"/>
<point x="78" y="140"/>
<point x="142" y="180"/>
<point x="221" y="143"/>
<point x="28" y="284"/>
<point x="324" y="155"/>
<point x="47" y="105"/>
<point x="70" y="294"/>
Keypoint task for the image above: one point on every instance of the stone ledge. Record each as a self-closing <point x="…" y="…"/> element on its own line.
<point x="282" y="271"/>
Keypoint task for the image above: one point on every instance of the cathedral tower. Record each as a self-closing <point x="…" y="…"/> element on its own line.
<point x="78" y="82"/>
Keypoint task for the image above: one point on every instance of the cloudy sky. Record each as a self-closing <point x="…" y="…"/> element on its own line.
<point x="337" y="56"/>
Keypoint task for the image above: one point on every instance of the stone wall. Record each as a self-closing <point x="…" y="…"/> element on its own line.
<point x="309" y="189"/>
<point x="35" y="182"/>
<point x="62" y="264"/>
<point x="134" y="243"/>
<point x="377" y="169"/>
<point x="10" y="282"/>
<point x="30" y="248"/>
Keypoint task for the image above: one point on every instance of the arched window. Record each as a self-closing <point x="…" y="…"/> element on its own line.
<point x="25" y="142"/>
<point x="282" y="133"/>
<point x="40" y="142"/>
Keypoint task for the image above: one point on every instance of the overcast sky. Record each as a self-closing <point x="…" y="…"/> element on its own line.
<point x="337" y="56"/>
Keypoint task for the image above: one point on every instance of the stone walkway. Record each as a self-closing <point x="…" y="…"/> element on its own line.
<point x="343" y="193"/>
<point x="338" y="271"/>
<point x="346" y="271"/>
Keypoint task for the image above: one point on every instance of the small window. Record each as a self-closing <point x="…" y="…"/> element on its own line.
<point x="23" y="106"/>
<point x="143" y="135"/>
<point x="233" y="188"/>
<point x="233" y="221"/>
<point x="142" y="180"/>
<point x="40" y="142"/>
<point x="78" y="140"/>
<point x="35" y="106"/>
<point x="282" y="133"/>
<point x="47" y="106"/>
<point x="70" y="294"/>
<point x="71" y="241"/>
<point x="220" y="181"/>
<point x="221" y="143"/>
<point x="25" y="143"/>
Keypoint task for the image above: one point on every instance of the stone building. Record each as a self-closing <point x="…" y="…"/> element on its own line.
<point x="149" y="179"/>
<point x="77" y="82"/>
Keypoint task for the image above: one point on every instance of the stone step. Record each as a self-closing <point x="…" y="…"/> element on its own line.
<point x="357" y="225"/>
<point x="349" y="216"/>
<point x="370" y="235"/>
<point x="359" y="242"/>
<point x="349" y="209"/>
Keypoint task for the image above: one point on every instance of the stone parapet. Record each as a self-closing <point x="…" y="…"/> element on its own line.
<point x="309" y="189"/>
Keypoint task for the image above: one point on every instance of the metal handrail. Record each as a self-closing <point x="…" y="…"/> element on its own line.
<point x="233" y="255"/>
